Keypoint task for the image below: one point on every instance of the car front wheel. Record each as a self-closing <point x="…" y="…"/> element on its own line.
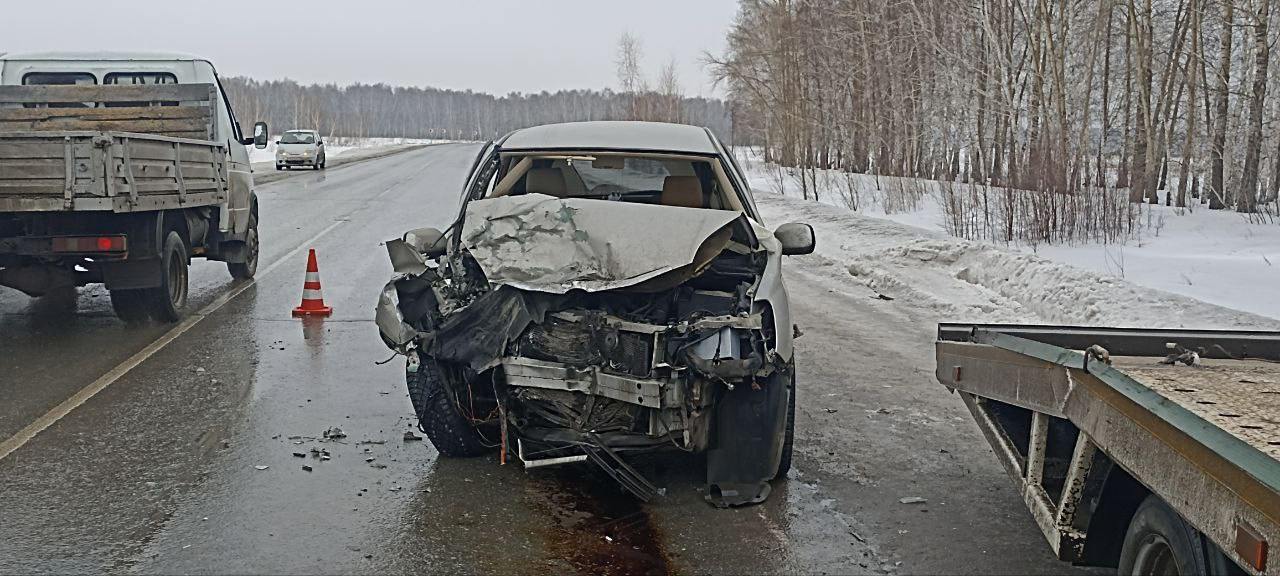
<point x="438" y="413"/>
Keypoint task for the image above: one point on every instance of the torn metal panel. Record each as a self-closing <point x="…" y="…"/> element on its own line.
<point x="478" y="334"/>
<point x="395" y="332"/>
<point x="405" y="258"/>
<point x="545" y="244"/>
<point x="748" y="441"/>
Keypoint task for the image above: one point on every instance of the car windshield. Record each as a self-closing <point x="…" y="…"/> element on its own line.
<point x="622" y="175"/>
<point x="298" y="138"/>
<point x="650" y="179"/>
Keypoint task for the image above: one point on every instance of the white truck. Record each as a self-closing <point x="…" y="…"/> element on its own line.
<point x="118" y="169"/>
<point x="1151" y="451"/>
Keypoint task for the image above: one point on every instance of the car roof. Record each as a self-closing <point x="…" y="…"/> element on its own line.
<point x="613" y="135"/>
<point x="102" y="56"/>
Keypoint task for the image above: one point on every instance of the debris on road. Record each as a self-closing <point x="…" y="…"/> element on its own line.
<point x="884" y="297"/>
<point x="299" y="455"/>
<point x="306" y="468"/>
<point x="912" y="500"/>
<point x="409" y="436"/>
<point x="260" y="467"/>
<point x="334" y="433"/>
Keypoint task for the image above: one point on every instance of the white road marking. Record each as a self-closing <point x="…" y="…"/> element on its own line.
<point x="25" y="435"/>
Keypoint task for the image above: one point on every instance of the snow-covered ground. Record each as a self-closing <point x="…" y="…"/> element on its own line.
<point x="336" y="146"/>
<point x="1216" y="257"/>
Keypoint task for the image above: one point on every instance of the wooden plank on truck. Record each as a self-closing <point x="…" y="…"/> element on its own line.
<point x="176" y="110"/>
<point x="106" y="94"/>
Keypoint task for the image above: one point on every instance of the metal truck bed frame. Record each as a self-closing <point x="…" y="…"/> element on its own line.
<point x="1060" y="406"/>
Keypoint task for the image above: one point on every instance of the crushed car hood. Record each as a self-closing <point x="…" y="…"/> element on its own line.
<point x="546" y="244"/>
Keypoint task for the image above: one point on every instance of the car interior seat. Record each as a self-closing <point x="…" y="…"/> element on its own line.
<point x="549" y="181"/>
<point x="683" y="191"/>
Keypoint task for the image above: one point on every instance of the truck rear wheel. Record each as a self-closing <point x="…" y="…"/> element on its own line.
<point x="1159" y="541"/>
<point x="245" y="270"/>
<point x="164" y="302"/>
<point x="448" y="430"/>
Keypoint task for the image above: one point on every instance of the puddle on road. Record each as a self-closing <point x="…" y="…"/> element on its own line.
<point x="600" y="529"/>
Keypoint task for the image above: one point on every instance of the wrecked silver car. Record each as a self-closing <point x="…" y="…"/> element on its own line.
<point x="608" y="288"/>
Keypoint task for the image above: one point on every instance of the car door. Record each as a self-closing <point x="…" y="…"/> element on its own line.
<point x="239" y="170"/>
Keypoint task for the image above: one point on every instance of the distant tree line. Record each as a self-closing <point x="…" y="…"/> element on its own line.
<point x="1146" y="96"/>
<point x="373" y="110"/>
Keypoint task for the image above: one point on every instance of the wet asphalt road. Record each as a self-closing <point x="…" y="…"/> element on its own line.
<point x="159" y="472"/>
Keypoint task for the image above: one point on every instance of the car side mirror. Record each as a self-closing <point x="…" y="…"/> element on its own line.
<point x="796" y="238"/>
<point x="429" y="241"/>
<point x="260" y="135"/>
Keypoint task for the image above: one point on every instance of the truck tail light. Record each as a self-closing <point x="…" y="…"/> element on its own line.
<point x="1251" y="547"/>
<point x="90" y="244"/>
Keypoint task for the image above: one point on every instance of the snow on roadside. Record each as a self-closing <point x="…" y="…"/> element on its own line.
<point x="967" y="281"/>
<point x="1217" y="257"/>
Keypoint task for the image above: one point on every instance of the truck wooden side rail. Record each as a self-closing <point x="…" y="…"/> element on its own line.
<point x="144" y="148"/>
<point x="1156" y="451"/>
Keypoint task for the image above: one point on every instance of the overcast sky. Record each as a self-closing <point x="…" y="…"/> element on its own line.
<point x="495" y="46"/>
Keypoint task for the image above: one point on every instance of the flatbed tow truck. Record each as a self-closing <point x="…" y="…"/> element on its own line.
<point x="1152" y="451"/>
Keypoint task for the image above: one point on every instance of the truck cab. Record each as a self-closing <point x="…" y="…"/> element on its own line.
<point x="221" y="227"/>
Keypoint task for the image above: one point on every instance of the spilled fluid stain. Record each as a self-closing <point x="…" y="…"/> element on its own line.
<point x="600" y="529"/>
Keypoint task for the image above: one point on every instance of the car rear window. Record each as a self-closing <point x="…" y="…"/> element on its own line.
<point x="60" y="79"/>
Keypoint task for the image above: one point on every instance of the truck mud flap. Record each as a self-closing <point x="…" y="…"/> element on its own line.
<point x="749" y="428"/>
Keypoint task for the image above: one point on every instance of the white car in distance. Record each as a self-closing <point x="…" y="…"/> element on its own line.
<point x="300" y="148"/>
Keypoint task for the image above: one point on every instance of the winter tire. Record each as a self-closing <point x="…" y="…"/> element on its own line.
<point x="433" y="402"/>
<point x="1159" y="541"/>
<point x="245" y="270"/>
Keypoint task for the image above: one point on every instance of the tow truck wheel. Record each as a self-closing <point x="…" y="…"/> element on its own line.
<point x="245" y="270"/>
<point x="788" y="439"/>
<point x="438" y="416"/>
<point x="1159" y="541"/>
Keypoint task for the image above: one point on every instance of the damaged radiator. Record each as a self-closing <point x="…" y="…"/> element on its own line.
<point x="589" y="343"/>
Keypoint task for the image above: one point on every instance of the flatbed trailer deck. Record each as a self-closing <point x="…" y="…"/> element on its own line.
<point x="1092" y="425"/>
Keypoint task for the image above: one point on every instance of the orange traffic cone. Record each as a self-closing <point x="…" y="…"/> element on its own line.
<point x="312" y="299"/>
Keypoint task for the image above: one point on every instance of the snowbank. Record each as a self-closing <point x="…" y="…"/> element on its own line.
<point x="967" y="281"/>
<point x="1214" y="256"/>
